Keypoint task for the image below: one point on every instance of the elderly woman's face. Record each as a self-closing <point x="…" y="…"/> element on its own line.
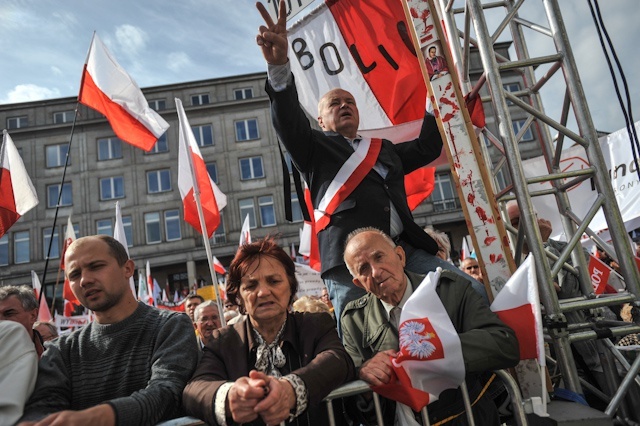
<point x="265" y="290"/>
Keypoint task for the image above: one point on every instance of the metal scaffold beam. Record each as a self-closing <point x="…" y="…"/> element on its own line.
<point x="471" y="15"/>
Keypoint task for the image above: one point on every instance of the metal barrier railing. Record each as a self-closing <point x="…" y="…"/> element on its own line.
<point x="358" y="387"/>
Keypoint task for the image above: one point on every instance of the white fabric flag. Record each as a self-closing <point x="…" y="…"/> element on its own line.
<point x="17" y="194"/>
<point x="43" y="311"/>
<point x="119" y="234"/>
<point x="245" y="233"/>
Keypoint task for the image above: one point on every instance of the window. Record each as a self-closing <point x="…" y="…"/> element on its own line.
<point x="511" y="87"/>
<point x="111" y="188"/>
<point x="239" y="94"/>
<point x="128" y="230"/>
<point x="201" y="99"/>
<point x="159" y="181"/>
<point x="152" y="227"/>
<point x="246" y="130"/>
<point x="109" y="149"/>
<point x="443" y="197"/>
<point x="172" y="225"/>
<point x="157" y="104"/>
<point x="296" y="210"/>
<point x="219" y="236"/>
<point x="104" y="227"/>
<point x="17" y="122"/>
<point x="267" y="211"/>
<point x="4" y="250"/>
<point x="55" y="245"/>
<point x="212" y="169"/>
<point x="203" y="134"/>
<point x="21" y="247"/>
<point x="528" y="134"/>
<point x="251" y="168"/>
<point x="52" y="195"/>
<point x="63" y="117"/>
<point x="160" y="146"/>
<point x="247" y="208"/>
<point x="56" y="155"/>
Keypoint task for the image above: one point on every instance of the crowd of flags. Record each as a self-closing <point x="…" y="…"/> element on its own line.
<point x="108" y="88"/>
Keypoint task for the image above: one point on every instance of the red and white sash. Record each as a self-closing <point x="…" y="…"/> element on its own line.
<point x="347" y="179"/>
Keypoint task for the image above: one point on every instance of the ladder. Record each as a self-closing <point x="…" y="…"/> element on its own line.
<point x="547" y="269"/>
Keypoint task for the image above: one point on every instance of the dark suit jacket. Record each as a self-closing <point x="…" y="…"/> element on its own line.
<point x="313" y="350"/>
<point x="319" y="156"/>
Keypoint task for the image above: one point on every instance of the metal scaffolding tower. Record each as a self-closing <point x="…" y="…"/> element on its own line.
<point x="547" y="267"/>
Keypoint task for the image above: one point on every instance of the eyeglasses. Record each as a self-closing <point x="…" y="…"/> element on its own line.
<point x="469" y="268"/>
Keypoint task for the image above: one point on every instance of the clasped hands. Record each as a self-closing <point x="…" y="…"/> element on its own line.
<point x="260" y="395"/>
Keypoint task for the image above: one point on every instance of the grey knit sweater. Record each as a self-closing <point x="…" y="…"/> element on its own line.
<point x="139" y="366"/>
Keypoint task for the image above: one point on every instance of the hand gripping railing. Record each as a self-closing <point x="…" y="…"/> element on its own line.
<point x="358" y="387"/>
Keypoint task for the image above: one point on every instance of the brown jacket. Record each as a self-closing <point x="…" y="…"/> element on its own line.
<point x="310" y="344"/>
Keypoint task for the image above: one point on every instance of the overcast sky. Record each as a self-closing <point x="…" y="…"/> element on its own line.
<point x="44" y="45"/>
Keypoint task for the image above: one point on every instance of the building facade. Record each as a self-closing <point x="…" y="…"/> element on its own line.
<point x="230" y="118"/>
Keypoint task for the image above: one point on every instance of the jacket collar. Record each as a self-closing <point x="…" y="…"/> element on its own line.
<point x="377" y="329"/>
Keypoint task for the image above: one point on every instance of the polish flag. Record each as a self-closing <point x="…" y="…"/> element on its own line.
<point x="518" y="306"/>
<point x="107" y="88"/>
<point x="599" y="273"/>
<point x="309" y="246"/>
<point x="176" y="297"/>
<point x="118" y="234"/>
<point x="67" y="294"/>
<point x="217" y="266"/>
<point x="245" y="233"/>
<point x="430" y="357"/>
<point x="43" y="311"/>
<point x="17" y="194"/>
<point x="351" y="44"/>
<point x="464" y="252"/>
<point x="192" y="177"/>
<point x="151" y="291"/>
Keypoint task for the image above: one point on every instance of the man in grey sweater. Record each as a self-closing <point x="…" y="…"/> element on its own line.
<point x="129" y="366"/>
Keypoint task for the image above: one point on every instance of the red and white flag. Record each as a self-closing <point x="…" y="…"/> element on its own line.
<point x="309" y="246"/>
<point x="151" y="290"/>
<point x="464" y="252"/>
<point x="430" y="357"/>
<point x="67" y="294"/>
<point x="17" y="194"/>
<point x="599" y="274"/>
<point x="518" y="306"/>
<point x="212" y="199"/>
<point x="107" y="88"/>
<point x="217" y="266"/>
<point x="43" y="311"/>
<point x="350" y="44"/>
<point x="245" y="233"/>
<point x="118" y="234"/>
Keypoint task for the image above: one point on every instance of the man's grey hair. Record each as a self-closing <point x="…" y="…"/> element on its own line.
<point x="441" y="238"/>
<point x="25" y="294"/>
<point x="200" y="307"/>
<point x="359" y="231"/>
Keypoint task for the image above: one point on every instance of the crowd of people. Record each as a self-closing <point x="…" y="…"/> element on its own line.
<point x="278" y="356"/>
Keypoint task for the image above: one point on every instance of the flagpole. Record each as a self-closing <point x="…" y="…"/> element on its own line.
<point x="203" y="225"/>
<point x="55" y="216"/>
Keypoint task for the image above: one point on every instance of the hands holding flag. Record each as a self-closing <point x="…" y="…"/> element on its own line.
<point x="379" y="369"/>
